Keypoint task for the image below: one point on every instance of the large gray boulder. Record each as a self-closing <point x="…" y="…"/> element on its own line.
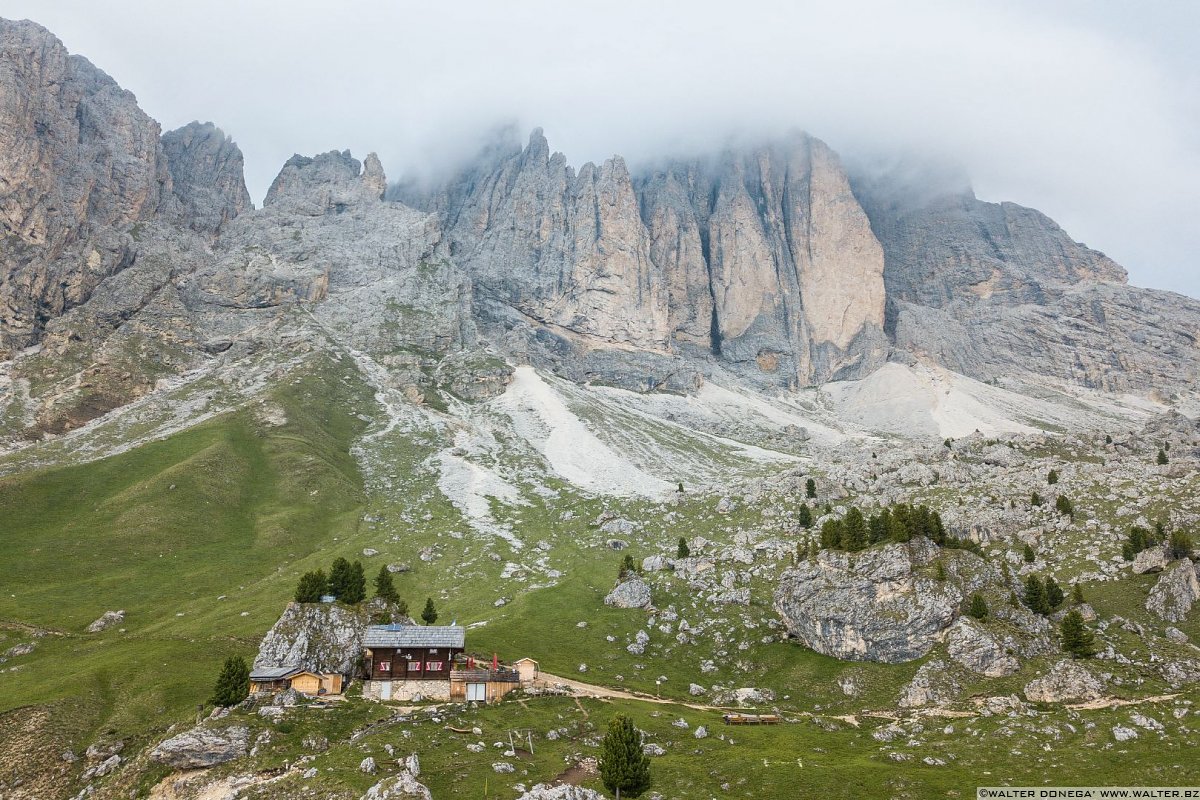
<point x="318" y="637"/>
<point x="630" y="593"/>
<point x="202" y="747"/>
<point x="972" y="645"/>
<point x="933" y="685"/>
<point x="1153" y="559"/>
<point x="1066" y="680"/>
<point x="399" y="786"/>
<point x="877" y="605"/>
<point x="1177" y="590"/>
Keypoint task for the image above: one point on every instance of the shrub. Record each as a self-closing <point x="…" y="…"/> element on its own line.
<point x="1180" y="544"/>
<point x="628" y="568"/>
<point x="1052" y="478"/>
<point x="1064" y="506"/>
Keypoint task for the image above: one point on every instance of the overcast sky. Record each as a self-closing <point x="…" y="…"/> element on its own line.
<point x="1085" y="109"/>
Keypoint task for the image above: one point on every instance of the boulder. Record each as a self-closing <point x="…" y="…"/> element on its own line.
<point x="403" y="785"/>
<point x="971" y="645"/>
<point x="933" y="685"/>
<point x="631" y="593"/>
<point x="877" y="605"/>
<point x="202" y="747"/>
<point x="319" y="636"/>
<point x="1177" y="590"/>
<point x="1154" y="559"/>
<point x="106" y="620"/>
<point x="1066" y="680"/>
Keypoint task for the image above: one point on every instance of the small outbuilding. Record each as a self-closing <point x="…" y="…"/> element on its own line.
<point x="527" y="669"/>
<point x="279" y="679"/>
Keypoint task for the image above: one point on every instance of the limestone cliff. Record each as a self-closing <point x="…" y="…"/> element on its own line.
<point x="79" y="164"/>
<point x="206" y="175"/>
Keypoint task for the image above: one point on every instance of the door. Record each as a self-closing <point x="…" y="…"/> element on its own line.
<point x="385" y="690"/>
<point x="477" y="692"/>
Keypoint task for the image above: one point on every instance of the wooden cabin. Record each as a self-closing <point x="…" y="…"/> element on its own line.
<point x="271" y="679"/>
<point x="412" y="652"/>
<point x="279" y="679"/>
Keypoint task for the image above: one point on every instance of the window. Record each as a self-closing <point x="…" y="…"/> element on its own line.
<point x="433" y="666"/>
<point x="414" y="666"/>
<point x="385" y="666"/>
<point x="433" y="650"/>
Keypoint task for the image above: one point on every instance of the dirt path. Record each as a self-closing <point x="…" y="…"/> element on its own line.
<point x="1117" y="702"/>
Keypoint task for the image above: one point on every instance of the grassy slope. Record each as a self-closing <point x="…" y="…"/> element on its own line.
<point x="162" y="532"/>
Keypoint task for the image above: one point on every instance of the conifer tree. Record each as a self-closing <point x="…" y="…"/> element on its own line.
<point x="385" y="588"/>
<point x="682" y="550"/>
<point x="1077" y="639"/>
<point x="430" y="614"/>
<point x="810" y="489"/>
<point x="1162" y="457"/>
<point x="1053" y="593"/>
<point x="831" y="534"/>
<point x="854" y="530"/>
<point x="341" y="576"/>
<point x="312" y="585"/>
<point x="1180" y="544"/>
<point x="628" y="568"/>
<point x="1036" y="499"/>
<point x="1077" y="594"/>
<point x="624" y="768"/>
<point x="1052" y="478"/>
<point x="1108" y="438"/>
<point x="1064" y="506"/>
<point x="978" y="607"/>
<point x="805" y="516"/>
<point x="1029" y="555"/>
<point x="233" y="684"/>
<point x="1035" y="595"/>
<point x="356" y="588"/>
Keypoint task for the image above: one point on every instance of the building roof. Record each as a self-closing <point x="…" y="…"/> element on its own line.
<point x="415" y="636"/>
<point x="273" y="673"/>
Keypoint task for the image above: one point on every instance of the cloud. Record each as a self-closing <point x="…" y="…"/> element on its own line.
<point x="1084" y="111"/>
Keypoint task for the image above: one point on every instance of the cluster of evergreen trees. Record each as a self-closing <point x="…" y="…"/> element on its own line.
<point x="348" y="584"/>
<point x="900" y="523"/>
<point x="1042" y="596"/>
<point x="1179" y="542"/>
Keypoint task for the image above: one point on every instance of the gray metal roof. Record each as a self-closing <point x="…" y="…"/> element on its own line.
<point x="415" y="636"/>
<point x="273" y="673"/>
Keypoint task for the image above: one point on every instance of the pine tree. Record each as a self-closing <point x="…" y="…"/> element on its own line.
<point x="1077" y="594"/>
<point x="1053" y="593"/>
<point x="355" y="590"/>
<point x="341" y="575"/>
<point x="810" y="489"/>
<point x="1035" y="595"/>
<point x="831" y="534"/>
<point x="1162" y="457"/>
<point x="1077" y="639"/>
<point x="1029" y="555"/>
<point x="879" y="526"/>
<point x="628" y="568"/>
<point x="1064" y="506"/>
<point x="854" y="530"/>
<point x="385" y="589"/>
<point x="1108" y="438"/>
<point x="805" y="516"/>
<point x="978" y="607"/>
<point x="1036" y="499"/>
<point x="1180" y="544"/>
<point x="233" y="684"/>
<point x="681" y="487"/>
<point x="312" y="585"/>
<point x="429" y="615"/>
<point x="682" y="550"/>
<point x="1052" y="478"/>
<point x="624" y="768"/>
